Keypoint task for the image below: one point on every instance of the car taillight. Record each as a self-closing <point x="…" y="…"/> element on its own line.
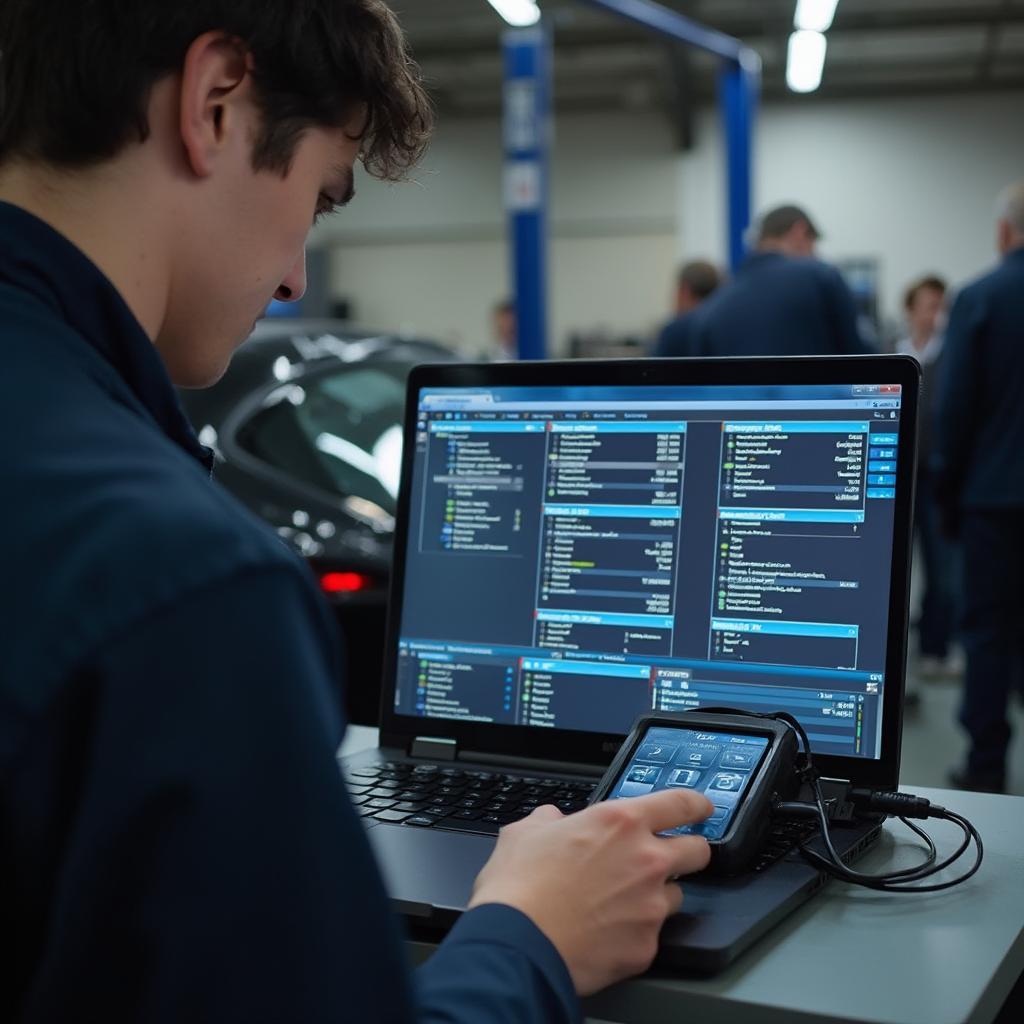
<point x="344" y="582"/>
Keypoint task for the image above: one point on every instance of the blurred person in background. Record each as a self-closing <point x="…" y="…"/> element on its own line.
<point x="782" y="301"/>
<point x="924" y="307"/>
<point x="696" y="281"/>
<point x="503" y="327"/>
<point x="979" y="478"/>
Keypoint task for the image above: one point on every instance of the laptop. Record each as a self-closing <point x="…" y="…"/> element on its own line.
<point x="580" y="542"/>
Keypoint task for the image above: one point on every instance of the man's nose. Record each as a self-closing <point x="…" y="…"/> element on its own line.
<point x="293" y="287"/>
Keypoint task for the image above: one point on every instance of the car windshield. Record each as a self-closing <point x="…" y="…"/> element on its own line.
<point x="340" y="431"/>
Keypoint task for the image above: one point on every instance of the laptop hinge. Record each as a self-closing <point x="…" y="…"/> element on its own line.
<point x="532" y="764"/>
<point x="433" y="748"/>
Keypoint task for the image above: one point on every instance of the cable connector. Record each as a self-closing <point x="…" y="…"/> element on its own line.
<point x="794" y="809"/>
<point x="903" y="805"/>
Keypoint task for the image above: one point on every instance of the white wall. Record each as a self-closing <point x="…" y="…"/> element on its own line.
<point x="910" y="182"/>
<point x="431" y="256"/>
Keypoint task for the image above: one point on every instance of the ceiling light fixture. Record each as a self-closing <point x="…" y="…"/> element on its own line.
<point x="814" y="15"/>
<point x="518" y="13"/>
<point x="805" y="61"/>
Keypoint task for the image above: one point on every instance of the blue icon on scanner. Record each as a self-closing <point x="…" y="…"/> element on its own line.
<point x="683" y="777"/>
<point x="727" y="782"/>
<point x="639" y="780"/>
<point x="742" y="760"/>
<point x="657" y="752"/>
<point x="698" y="757"/>
<point x="645" y="775"/>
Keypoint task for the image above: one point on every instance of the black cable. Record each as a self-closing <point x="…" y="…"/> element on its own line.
<point x="896" y="881"/>
<point x="902" y="805"/>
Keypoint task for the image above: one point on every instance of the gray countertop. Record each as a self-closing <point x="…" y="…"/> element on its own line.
<point x="854" y="955"/>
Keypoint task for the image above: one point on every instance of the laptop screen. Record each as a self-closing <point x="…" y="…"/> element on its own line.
<point x="578" y="555"/>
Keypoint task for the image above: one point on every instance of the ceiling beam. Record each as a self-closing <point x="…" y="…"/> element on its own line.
<point x="991" y="49"/>
<point x="750" y="29"/>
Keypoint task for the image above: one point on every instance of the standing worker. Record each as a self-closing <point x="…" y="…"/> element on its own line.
<point x="979" y="438"/>
<point x="924" y="304"/>
<point x="783" y="301"/>
<point x="696" y="282"/>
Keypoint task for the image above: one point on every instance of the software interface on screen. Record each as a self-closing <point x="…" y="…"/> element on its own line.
<point x="579" y="555"/>
<point x="720" y="765"/>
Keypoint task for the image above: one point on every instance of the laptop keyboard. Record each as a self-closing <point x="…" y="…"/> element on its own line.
<point x="465" y="800"/>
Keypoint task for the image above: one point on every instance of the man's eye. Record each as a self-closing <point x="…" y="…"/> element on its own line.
<point x="324" y="206"/>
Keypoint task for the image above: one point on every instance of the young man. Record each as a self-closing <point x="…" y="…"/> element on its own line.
<point x="176" y="839"/>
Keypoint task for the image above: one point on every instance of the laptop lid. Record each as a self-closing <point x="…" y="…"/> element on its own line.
<point x="577" y="542"/>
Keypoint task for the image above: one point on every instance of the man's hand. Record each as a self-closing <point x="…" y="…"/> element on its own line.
<point x="597" y="883"/>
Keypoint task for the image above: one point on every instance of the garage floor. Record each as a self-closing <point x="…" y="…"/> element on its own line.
<point x="933" y="741"/>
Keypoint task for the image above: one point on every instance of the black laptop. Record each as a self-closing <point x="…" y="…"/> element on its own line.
<point x="579" y="542"/>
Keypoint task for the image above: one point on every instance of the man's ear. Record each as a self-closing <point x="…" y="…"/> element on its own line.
<point x="215" y="85"/>
<point x="1004" y="236"/>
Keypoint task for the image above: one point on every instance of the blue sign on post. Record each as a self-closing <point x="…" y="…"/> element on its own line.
<point x="527" y="139"/>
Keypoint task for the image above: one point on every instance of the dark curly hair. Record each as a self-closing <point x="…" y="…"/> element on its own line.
<point x="75" y="75"/>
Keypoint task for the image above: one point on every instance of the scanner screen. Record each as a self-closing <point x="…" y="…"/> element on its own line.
<point x="718" y="764"/>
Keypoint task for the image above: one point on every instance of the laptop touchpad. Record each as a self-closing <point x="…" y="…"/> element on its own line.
<point x="425" y="869"/>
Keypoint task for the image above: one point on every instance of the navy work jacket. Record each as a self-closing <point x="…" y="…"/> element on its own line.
<point x="777" y="306"/>
<point x="176" y="842"/>
<point x="979" y="414"/>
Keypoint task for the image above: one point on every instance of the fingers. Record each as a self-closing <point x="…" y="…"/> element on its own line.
<point x="671" y="807"/>
<point x="546" y="812"/>
<point x="673" y="898"/>
<point x="687" y="854"/>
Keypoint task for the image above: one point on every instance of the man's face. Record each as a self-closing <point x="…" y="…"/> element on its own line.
<point x="686" y="300"/>
<point x="804" y="241"/>
<point x="925" y="310"/>
<point x="242" y="245"/>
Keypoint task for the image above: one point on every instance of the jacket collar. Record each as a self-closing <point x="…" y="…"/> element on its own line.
<point x="38" y="260"/>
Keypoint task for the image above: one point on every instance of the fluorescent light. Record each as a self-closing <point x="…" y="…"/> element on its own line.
<point x="805" y="61"/>
<point x="814" y="15"/>
<point x="518" y="13"/>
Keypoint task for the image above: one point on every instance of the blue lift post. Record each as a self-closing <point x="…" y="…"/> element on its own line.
<point x="739" y="88"/>
<point x="527" y="142"/>
<point x="528" y="96"/>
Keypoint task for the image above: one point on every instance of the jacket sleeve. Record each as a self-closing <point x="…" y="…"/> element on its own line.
<point x="214" y="868"/>
<point x="496" y="967"/>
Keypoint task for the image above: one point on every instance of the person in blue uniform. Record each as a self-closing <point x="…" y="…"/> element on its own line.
<point x="697" y="281"/>
<point x="979" y="437"/>
<point x="177" y="842"/>
<point x="782" y="301"/>
<point x="924" y="308"/>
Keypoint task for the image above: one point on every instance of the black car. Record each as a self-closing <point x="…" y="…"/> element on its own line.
<point x="307" y="428"/>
